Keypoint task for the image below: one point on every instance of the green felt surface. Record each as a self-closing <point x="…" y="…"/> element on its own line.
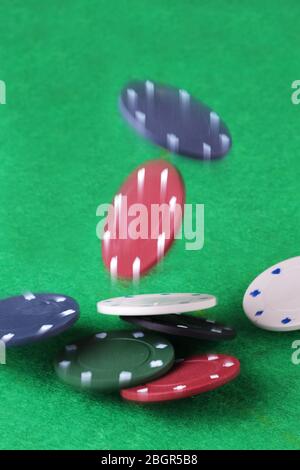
<point x="64" y="149"/>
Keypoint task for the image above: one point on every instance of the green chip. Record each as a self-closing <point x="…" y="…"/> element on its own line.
<point x="114" y="360"/>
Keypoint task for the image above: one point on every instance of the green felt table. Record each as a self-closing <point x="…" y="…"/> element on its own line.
<point x="64" y="149"/>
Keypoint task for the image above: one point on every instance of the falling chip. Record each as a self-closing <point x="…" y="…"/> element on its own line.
<point x="136" y="268"/>
<point x="44" y="329"/>
<point x="206" y="151"/>
<point x="86" y="378"/>
<point x="172" y="142"/>
<point x="141" y="117"/>
<point x="114" y="267"/>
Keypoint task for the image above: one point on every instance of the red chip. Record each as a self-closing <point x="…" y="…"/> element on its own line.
<point x="142" y="223"/>
<point x="188" y="377"/>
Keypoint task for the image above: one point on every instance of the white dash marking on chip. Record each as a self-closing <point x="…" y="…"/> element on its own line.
<point x="71" y="347"/>
<point x="212" y="357"/>
<point x="101" y="335"/>
<point x="66" y="313"/>
<point x="149" y="88"/>
<point x="182" y="326"/>
<point x="113" y="267"/>
<point x="163" y="182"/>
<point x="106" y="238"/>
<point x="228" y="364"/>
<point x="179" y="388"/>
<point x="161" y="346"/>
<point x="141" y="117"/>
<point x="216" y="330"/>
<point x="131" y="97"/>
<point x="206" y="151"/>
<point x="28" y="296"/>
<point x="141" y="180"/>
<point x="125" y="377"/>
<point x="184" y="97"/>
<point x="142" y="390"/>
<point x="161" y="241"/>
<point x="60" y="299"/>
<point x="172" y="142"/>
<point x="172" y="203"/>
<point x="214" y="376"/>
<point x="64" y="364"/>
<point x="6" y="338"/>
<point x="224" y="142"/>
<point x="214" y="122"/>
<point x="136" y="269"/>
<point x="157" y="363"/>
<point x="44" y="329"/>
<point x="86" y="378"/>
<point x="138" y="334"/>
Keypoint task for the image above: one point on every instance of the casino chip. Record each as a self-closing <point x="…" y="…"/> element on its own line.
<point x="184" y="325"/>
<point x="272" y="301"/>
<point x="146" y="214"/>
<point x="156" y="304"/>
<point x="114" y="360"/>
<point x="33" y="317"/>
<point x="173" y="119"/>
<point x="188" y="377"/>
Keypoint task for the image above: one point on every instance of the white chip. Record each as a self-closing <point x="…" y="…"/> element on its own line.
<point x="156" y="304"/>
<point x="272" y="301"/>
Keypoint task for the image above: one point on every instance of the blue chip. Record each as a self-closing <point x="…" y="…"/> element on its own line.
<point x="173" y="119"/>
<point x="32" y="317"/>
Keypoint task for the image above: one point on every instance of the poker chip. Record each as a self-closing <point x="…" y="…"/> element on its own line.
<point x="156" y="304"/>
<point x="114" y="360"/>
<point x="172" y="118"/>
<point x="184" y="325"/>
<point x="272" y="301"/>
<point x="146" y="214"/>
<point x="32" y="317"/>
<point x="189" y="377"/>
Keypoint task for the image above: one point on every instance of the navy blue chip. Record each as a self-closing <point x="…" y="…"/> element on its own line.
<point x="173" y="119"/>
<point x="33" y="317"/>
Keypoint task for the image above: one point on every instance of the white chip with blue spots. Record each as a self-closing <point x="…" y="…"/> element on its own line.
<point x="272" y="301"/>
<point x="156" y="304"/>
